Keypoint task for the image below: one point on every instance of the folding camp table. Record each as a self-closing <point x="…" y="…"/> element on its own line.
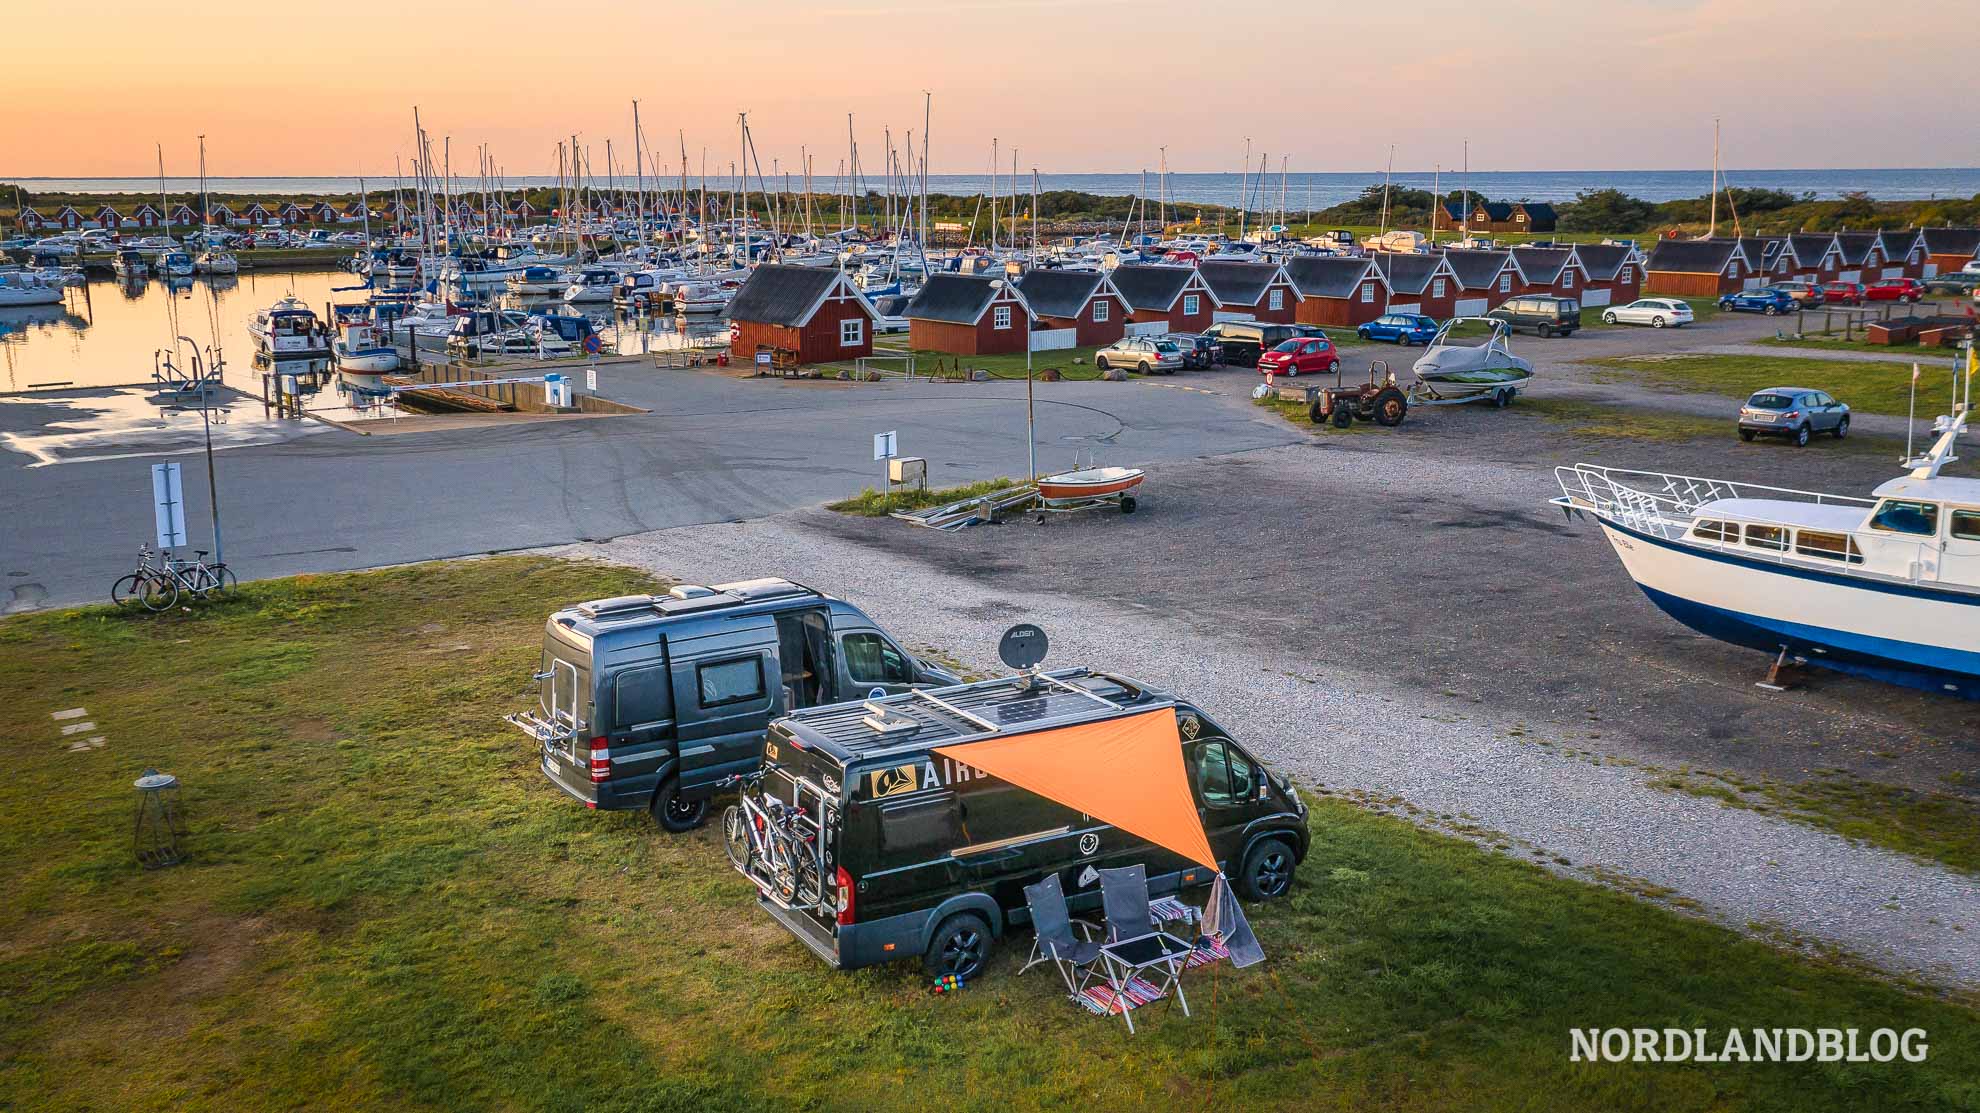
<point x="1155" y="953"/>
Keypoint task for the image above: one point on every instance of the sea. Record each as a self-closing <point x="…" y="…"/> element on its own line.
<point x="1292" y="192"/>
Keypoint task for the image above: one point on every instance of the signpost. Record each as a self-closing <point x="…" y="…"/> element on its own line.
<point x="168" y="504"/>
<point x="886" y="446"/>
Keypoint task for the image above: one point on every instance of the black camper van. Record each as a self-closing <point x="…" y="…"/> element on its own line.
<point x="648" y="701"/>
<point x="908" y="853"/>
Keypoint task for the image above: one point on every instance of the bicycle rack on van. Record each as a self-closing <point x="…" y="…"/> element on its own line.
<point x="813" y="820"/>
<point x="562" y="724"/>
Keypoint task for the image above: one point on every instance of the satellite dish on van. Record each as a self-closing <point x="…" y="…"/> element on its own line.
<point x="1023" y="646"/>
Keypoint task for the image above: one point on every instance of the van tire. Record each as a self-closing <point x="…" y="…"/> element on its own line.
<point x="1268" y="870"/>
<point x="960" y="946"/>
<point x="675" y="815"/>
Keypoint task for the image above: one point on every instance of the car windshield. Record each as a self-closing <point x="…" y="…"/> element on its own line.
<point x="1770" y="401"/>
<point x="1289" y="346"/>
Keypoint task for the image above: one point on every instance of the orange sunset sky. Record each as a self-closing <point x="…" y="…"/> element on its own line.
<point x="310" y="87"/>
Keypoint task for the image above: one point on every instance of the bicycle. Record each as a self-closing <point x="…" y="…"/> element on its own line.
<point x="768" y="842"/>
<point x="156" y="587"/>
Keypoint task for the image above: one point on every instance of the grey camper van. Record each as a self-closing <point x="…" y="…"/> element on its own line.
<point x="648" y="701"/>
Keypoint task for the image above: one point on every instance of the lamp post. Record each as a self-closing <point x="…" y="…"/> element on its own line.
<point x="206" y="426"/>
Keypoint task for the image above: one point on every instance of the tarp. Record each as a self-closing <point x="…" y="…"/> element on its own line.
<point x="1127" y="772"/>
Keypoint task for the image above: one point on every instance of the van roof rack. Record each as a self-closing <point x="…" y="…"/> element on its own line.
<point x="689" y="598"/>
<point x="927" y="717"/>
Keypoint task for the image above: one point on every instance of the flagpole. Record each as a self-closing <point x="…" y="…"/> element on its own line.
<point x="1912" y="416"/>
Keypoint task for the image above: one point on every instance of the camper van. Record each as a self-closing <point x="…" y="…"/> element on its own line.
<point x="651" y="701"/>
<point x="890" y="849"/>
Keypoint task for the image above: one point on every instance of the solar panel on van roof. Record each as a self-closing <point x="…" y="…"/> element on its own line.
<point x="920" y="719"/>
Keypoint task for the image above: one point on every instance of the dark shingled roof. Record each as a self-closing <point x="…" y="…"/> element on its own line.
<point x="1238" y="283"/>
<point x="1058" y="293"/>
<point x="1454" y="209"/>
<point x="1809" y="248"/>
<point x="1691" y="256"/>
<point x="1542" y="265"/>
<point x="1477" y="270"/>
<point x="1761" y="251"/>
<point x="1538" y="211"/>
<point x="1952" y="241"/>
<point x="1898" y="243"/>
<point x="957" y="298"/>
<point x="779" y="294"/>
<point x="1603" y="260"/>
<point x="1855" y="246"/>
<point x="1494" y="210"/>
<point x="1150" y="286"/>
<point x="1407" y="273"/>
<point x="1326" y="276"/>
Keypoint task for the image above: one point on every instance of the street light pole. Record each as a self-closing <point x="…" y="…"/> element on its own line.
<point x="206" y="425"/>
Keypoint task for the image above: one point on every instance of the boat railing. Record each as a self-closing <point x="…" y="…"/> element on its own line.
<point x="1661" y="503"/>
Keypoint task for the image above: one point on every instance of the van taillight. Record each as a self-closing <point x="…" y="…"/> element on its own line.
<point x="601" y="761"/>
<point x="845" y="883"/>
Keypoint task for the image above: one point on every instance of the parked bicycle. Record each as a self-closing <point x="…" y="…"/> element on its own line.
<point x="157" y="586"/>
<point x="774" y="842"/>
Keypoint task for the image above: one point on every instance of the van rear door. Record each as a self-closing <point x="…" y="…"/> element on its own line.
<point x="727" y="686"/>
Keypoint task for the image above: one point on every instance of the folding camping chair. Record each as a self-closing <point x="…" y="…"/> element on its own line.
<point x="1134" y="945"/>
<point x="1055" y="941"/>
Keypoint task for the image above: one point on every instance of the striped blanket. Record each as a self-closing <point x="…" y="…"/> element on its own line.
<point x="1102" y="1000"/>
<point x="1208" y="949"/>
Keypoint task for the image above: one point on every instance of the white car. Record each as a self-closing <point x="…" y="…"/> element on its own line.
<point x="1655" y="312"/>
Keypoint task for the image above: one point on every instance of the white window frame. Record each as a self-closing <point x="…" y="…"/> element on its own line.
<point x="1505" y="284"/>
<point x="1567" y="280"/>
<point x="1192" y="304"/>
<point x="1000" y="317"/>
<point x="1436" y="287"/>
<point x="852" y="332"/>
<point x="1368" y="293"/>
<point x="1102" y="310"/>
<point x="1622" y="275"/>
<point x="1275" y="300"/>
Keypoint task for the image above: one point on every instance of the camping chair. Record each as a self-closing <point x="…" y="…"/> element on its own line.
<point x="1055" y="942"/>
<point x="1135" y="946"/>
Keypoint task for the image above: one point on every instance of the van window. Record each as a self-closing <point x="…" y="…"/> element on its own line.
<point x="1223" y="776"/>
<point x="1900" y="516"/>
<point x="1828" y="546"/>
<point x="731" y="681"/>
<point x="870" y="660"/>
<point x="641" y="696"/>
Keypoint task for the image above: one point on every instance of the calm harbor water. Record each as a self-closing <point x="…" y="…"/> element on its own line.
<point x="1301" y="190"/>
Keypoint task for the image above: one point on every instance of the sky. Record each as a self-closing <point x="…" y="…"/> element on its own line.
<point x="316" y="87"/>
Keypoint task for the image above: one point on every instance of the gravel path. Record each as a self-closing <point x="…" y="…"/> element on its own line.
<point x="1442" y="757"/>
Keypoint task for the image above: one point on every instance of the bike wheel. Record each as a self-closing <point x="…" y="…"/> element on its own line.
<point x="124" y="592"/>
<point x="735" y="836"/>
<point x="224" y="579"/>
<point x="158" y="593"/>
<point x="784" y="879"/>
<point x="807" y="889"/>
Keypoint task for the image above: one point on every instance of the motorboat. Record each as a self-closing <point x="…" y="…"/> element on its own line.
<point x="129" y="264"/>
<point x="21" y="287"/>
<point x="429" y="318"/>
<point x="289" y="329"/>
<point x="538" y="280"/>
<point x="890" y="313"/>
<point x="1089" y="483"/>
<point x="360" y="349"/>
<point x="476" y="329"/>
<point x="702" y="297"/>
<point x="1458" y="364"/>
<point x="1886" y="587"/>
<point x="215" y="262"/>
<point x="172" y="263"/>
<point x="592" y="284"/>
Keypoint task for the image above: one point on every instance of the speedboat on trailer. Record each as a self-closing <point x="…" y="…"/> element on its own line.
<point x="1886" y="587"/>
<point x="1456" y="366"/>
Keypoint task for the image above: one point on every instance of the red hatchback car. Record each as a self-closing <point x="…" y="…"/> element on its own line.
<point x="1843" y="293"/>
<point x="1302" y="355"/>
<point x="1895" y="289"/>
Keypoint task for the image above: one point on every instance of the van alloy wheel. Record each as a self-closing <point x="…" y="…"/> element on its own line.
<point x="674" y="814"/>
<point x="1268" y="870"/>
<point x="960" y="946"/>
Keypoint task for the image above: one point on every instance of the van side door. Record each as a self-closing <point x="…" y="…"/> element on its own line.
<point x="636" y="706"/>
<point x="726" y="690"/>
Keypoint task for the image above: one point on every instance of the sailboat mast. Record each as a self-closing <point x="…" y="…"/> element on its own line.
<point x="1244" y="186"/>
<point x="1713" y="230"/>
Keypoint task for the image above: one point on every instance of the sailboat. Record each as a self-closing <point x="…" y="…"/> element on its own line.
<point x="212" y="260"/>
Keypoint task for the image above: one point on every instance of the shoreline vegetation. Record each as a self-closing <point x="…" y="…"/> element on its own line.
<point x="1590" y="215"/>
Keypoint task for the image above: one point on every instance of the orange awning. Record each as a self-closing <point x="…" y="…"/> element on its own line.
<point x="1127" y="772"/>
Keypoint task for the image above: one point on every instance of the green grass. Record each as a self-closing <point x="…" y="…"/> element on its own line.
<point x="1075" y="364"/>
<point x="1837" y="344"/>
<point x="1932" y="825"/>
<point x="1867" y="386"/>
<point x="386" y="907"/>
<point x="870" y="503"/>
<point x="1591" y="419"/>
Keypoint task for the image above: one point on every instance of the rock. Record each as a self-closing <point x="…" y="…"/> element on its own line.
<point x="1050" y="375"/>
<point x="845" y="375"/>
<point x="979" y="375"/>
<point x="1114" y="375"/>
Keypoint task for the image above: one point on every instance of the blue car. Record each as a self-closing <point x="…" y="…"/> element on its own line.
<point x="1399" y="328"/>
<point x="1768" y="300"/>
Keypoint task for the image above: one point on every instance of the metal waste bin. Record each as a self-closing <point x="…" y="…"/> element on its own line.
<point x="160" y="822"/>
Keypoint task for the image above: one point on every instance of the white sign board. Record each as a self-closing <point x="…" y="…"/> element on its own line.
<point x="886" y="445"/>
<point x="168" y="503"/>
<point x="591" y="380"/>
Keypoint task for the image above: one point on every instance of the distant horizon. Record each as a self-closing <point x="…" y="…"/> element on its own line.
<point x="1025" y="172"/>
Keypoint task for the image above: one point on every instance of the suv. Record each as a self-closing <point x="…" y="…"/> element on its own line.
<point x="1244" y="341"/>
<point x="1540" y="313"/>
<point x="1198" y="352"/>
<point x="1766" y="300"/>
<point x="918" y="855"/>
<point x="650" y="701"/>
<point x="1807" y="293"/>
<point x="1306" y="354"/>
<point x="1792" y="412"/>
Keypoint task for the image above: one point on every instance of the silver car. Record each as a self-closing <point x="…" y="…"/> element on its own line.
<point x="1796" y="413"/>
<point x="1149" y="355"/>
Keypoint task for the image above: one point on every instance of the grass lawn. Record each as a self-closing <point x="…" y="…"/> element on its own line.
<point x="387" y="907"/>
<point x="1872" y="387"/>
<point x="1073" y="363"/>
<point x="1925" y="356"/>
<point x="870" y="503"/>
<point x="1933" y="825"/>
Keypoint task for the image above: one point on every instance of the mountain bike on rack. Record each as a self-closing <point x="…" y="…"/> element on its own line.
<point x="772" y="843"/>
<point x="157" y="586"/>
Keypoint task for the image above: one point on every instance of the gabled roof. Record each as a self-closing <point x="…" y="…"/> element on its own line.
<point x="1856" y="247"/>
<point x="1898" y="242"/>
<point x="780" y="294"/>
<point x="1810" y="248"/>
<point x="1543" y="265"/>
<point x="1603" y="260"/>
<point x="1478" y="269"/>
<point x="1454" y="209"/>
<point x="1153" y="286"/>
<point x="1409" y="273"/>
<point x="1061" y="293"/>
<point x="1952" y="241"/>
<point x="1537" y="210"/>
<point x="1693" y="256"/>
<point x="1494" y="210"/>
<point x="960" y="299"/>
<point x="1330" y="276"/>
<point x="1762" y="251"/>
<point x="1240" y="283"/>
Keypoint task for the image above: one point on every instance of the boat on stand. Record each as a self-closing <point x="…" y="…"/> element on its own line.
<point x="1886" y="586"/>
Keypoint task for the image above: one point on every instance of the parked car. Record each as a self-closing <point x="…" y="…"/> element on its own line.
<point x="1796" y="413"/>
<point x="1305" y="355"/>
<point x="1953" y="282"/>
<point x="1766" y="300"/>
<point x="913" y="854"/>
<point x="1807" y="293"/>
<point x="1541" y="314"/>
<point x="648" y="701"/>
<point x="1895" y="289"/>
<point x="1655" y="312"/>
<point x="1843" y="293"/>
<point x="1150" y="355"/>
<point x="1198" y="352"/>
<point x="1399" y="328"/>
<point x="1244" y="341"/>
